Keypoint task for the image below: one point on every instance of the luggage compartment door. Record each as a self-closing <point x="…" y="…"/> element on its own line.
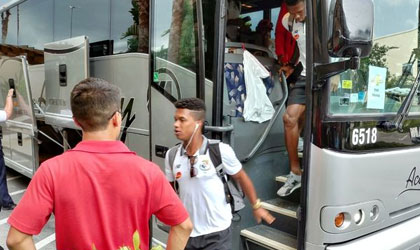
<point x="19" y="132"/>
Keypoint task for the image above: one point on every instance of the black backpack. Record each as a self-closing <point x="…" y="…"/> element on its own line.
<point x="233" y="191"/>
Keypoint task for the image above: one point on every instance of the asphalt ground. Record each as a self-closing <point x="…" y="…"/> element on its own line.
<point x="17" y="185"/>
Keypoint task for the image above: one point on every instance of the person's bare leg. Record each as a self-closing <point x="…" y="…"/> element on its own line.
<point x="291" y="128"/>
<point x="301" y="122"/>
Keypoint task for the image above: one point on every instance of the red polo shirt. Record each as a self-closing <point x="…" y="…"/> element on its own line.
<point x="100" y="193"/>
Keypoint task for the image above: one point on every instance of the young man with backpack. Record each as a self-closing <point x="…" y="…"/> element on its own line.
<point x="294" y="22"/>
<point x="190" y="168"/>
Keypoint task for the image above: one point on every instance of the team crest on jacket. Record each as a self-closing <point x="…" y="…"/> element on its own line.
<point x="178" y="175"/>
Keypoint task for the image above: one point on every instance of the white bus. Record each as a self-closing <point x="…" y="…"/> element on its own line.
<point x="361" y="137"/>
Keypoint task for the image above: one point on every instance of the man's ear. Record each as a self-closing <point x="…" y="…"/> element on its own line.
<point x="116" y="121"/>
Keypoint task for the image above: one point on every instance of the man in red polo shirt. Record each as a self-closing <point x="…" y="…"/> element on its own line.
<point x="100" y="192"/>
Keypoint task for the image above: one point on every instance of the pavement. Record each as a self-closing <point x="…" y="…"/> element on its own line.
<point x="17" y="185"/>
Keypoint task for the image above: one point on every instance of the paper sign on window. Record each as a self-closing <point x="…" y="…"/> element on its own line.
<point x="376" y="88"/>
<point x="347" y="84"/>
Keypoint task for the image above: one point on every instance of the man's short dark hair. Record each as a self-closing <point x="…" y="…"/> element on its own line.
<point x="292" y="2"/>
<point x="93" y="103"/>
<point x="194" y="104"/>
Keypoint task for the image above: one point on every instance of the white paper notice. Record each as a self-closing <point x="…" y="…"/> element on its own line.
<point x="376" y="88"/>
<point x="354" y="97"/>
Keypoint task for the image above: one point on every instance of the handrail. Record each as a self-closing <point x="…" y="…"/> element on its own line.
<point x="221" y="129"/>
<point x="272" y="121"/>
<point x="249" y="46"/>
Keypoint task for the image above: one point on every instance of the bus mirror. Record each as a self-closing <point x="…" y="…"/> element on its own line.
<point x="350" y="28"/>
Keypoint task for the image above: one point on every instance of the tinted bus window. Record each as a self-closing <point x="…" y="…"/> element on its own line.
<point x="75" y="18"/>
<point x="9" y="26"/>
<point x="122" y="22"/>
<point x="36" y="23"/>
<point x="386" y="76"/>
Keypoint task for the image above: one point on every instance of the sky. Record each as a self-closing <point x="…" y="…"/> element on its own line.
<point x="392" y="16"/>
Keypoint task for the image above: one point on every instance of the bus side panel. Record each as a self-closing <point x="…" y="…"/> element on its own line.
<point x="353" y="183"/>
<point x="130" y="73"/>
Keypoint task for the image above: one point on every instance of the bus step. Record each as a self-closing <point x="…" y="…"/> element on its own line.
<point x="265" y="237"/>
<point x="280" y="206"/>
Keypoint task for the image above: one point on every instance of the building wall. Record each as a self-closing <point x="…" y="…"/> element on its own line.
<point x="405" y="42"/>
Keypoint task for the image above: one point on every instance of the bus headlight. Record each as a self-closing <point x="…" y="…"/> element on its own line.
<point x="358" y="217"/>
<point x="348" y="218"/>
<point x="374" y="212"/>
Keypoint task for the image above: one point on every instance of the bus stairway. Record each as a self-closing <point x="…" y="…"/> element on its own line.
<point x="282" y="233"/>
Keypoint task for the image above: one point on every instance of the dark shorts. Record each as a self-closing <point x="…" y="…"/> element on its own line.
<point x="297" y="92"/>
<point x="221" y="240"/>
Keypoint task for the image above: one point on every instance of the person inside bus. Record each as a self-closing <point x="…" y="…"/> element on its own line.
<point x="6" y="201"/>
<point x="294" y="22"/>
<point x="285" y="44"/>
<point x="200" y="188"/>
<point x="100" y="192"/>
<point x="263" y="35"/>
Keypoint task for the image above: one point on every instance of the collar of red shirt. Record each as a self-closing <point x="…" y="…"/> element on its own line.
<point x="105" y="147"/>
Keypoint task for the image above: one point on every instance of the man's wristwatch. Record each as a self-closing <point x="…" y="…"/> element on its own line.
<point x="257" y="204"/>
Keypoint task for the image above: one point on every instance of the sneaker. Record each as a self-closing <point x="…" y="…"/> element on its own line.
<point x="292" y="183"/>
<point x="300" y="144"/>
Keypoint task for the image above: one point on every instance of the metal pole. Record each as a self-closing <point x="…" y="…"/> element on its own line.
<point x="71" y="20"/>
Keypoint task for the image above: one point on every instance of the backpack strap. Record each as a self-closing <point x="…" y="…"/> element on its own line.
<point x="216" y="159"/>
<point x="171" y="159"/>
<point x="171" y="155"/>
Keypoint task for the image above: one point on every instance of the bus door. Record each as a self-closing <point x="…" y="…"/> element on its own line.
<point x="20" y="146"/>
<point x="176" y="68"/>
<point x="176" y="71"/>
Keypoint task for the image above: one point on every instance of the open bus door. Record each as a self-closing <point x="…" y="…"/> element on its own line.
<point x="20" y="146"/>
<point x="176" y="71"/>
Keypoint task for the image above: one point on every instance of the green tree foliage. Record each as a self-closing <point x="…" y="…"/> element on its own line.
<point x="376" y="58"/>
<point x="187" y="44"/>
<point x="132" y="31"/>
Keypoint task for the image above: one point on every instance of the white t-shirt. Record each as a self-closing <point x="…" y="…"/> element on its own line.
<point x="203" y="195"/>
<point x="298" y="33"/>
<point x="3" y="116"/>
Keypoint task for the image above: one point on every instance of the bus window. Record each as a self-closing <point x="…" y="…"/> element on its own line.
<point x="125" y="40"/>
<point x="9" y="26"/>
<point x="174" y="48"/>
<point x="41" y="13"/>
<point x="255" y="17"/>
<point x="58" y="20"/>
<point x="252" y="23"/>
<point x="77" y="18"/>
<point x="384" y="78"/>
<point x="274" y="16"/>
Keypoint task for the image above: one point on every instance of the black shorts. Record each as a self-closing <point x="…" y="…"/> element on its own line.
<point x="297" y="92"/>
<point x="221" y="240"/>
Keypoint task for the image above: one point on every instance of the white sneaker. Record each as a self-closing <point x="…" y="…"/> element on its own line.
<point x="293" y="182"/>
<point x="300" y="144"/>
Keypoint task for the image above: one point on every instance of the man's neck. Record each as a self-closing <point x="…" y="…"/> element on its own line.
<point x="195" y="144"/>
<point x="98" y="136"/>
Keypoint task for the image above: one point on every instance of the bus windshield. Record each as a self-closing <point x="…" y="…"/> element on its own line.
<point x="385" y="78"/>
